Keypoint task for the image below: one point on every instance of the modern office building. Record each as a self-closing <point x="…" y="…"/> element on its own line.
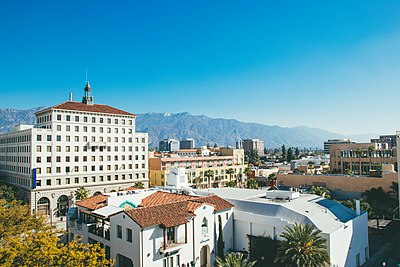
<point x="327" y="144"/>
<point x="196" y="167"/>
<point x="252" y="145"/>
<point x="168" y="145"/>
<point x="154" y="228"/>
<point x="361" y="158"/>
<point x="187" y="143"/>
<point x="390" y="140"/>
<point x="73" y="144"/>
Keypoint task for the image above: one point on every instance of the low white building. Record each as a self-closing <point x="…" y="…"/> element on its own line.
<point x="266" y="213"/>
<point x="154" y="228"/>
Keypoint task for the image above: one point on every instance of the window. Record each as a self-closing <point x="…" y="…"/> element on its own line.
<point x="119" y="231"/>
<point x="67" y="180"/>
<point x="94" y="119"/>
<point x="76" y="119"/>
<point x="39" y="137"/>
<point x="85" y="119"/>
<point x="58" y="127"/>
<point x="77" y="180"/>
<point x="48" y="182"/>
<point x="204" y="226"/>
<point x="38" y="159"/>
<point x="48" y="159"/>
<point x="38" y="149"/>
<point x="58" y="117"/>
<point x="171" y="234"/>
<point x="58" y="159"/>
<point x="48" y="149"/>
<point x="38" y="170"/>
<point x="76" y="128"/>
<point x="68" y="118"/>
<point x="129" y="235"/>
<point x="76" y="138"/>
<point x="48" y="170"/>
<point x="58" y="138"/>
<point x="85" y="129"/>
<point x="68" y="128"/>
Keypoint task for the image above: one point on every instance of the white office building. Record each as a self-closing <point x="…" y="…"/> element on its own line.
<point x="266" y="213"/>
<point x="73" y="144"/>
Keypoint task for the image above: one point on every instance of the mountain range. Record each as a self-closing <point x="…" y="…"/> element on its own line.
<point x="203" y="129"/>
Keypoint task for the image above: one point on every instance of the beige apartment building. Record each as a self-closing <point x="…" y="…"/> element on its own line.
<point x="361" y="158"/>
<point x="196" y="166"/>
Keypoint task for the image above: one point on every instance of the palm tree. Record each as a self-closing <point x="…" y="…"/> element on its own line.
<point x="230" y="171"/>
<point x="81" y="193"/>
<point x="302" y="246"/>
<point x="272" y="178"/>
<point x="234" y="260"/>
<point x="209" y="174"/>
<point x="320" y="191"/>
<point x="379" y="200"/>
<point x="359" y="153"/>
<point x="370" y="150"/>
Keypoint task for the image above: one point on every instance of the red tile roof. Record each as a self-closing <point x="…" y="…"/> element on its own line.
<point x="95" y="108"/>
<point x="167" y="215"/>
<point x="160" y="197"/>
<point x="94" y="202"/>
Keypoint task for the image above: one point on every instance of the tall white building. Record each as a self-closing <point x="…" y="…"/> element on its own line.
<point x="73" y="144"/>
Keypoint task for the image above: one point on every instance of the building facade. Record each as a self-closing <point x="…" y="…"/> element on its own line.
<point x="361" y="158"/>
<point x="196" y="167"/>
<point x="73" y="144"/>
<point x="154" y="228"/>
<point x="187" y="143"/>
<point x="168" y="145"/>
<point x="390" y="140"/>
<point x="253" y="145"/>
<point x="327" y="144"/>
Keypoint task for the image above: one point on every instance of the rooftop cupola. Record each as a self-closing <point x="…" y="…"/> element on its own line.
<point x="87" y="98"/>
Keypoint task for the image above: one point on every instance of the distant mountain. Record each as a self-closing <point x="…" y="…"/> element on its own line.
<point x="221" y="131"/>
<point x="12" y="117"/>
<point x="201" y="128"/>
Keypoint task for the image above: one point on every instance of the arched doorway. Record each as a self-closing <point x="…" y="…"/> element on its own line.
<point x="205" y="256"/>
<point x="97" y="193"/>
<point x="123" y="261"/>
<point x="62" y="206"/>
<point x="43" y="206"/>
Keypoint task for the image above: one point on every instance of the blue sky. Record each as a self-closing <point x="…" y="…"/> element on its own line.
<point x="328" y="64"/>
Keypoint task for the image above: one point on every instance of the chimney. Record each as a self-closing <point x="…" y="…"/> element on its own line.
<point x="358" y="207"/>
<point x="70" y="96"/>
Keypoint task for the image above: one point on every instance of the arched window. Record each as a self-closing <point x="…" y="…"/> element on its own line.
<point x="62" y="206"/>
<point x="43" y="206"/>
<point x="204" y="226"/>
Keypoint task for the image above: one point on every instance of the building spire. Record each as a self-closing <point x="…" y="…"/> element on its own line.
<point x="87" y="98"/>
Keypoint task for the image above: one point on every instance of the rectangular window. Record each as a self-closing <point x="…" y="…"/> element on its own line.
<point x="77" y="118"/>
<point x="119" y="231"/>
<point x="129" y="235"/>
<point x="93" y="119"/>
<point x="84" y="119"/>
<point x="58" y="127"/>
<point x="48" y="148"/>
<point x="68" y="118"/>
<point x="67" y="180"/>
<point x="76" y="128"/>
<point x="58" y="117"/>
<point x="58" y="138"/>
<point x="48" y="182"/>
<point x="39" y="137"/>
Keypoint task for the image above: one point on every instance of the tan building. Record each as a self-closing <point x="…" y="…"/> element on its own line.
<point x="196" y="167"/>
<point x="361" y="158"/>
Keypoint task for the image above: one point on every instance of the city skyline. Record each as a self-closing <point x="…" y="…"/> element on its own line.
<point x="327" y="65"/>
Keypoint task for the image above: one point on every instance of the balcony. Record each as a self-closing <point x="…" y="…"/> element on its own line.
<point x="171" y="246"/>
<point x="99" y="231"/>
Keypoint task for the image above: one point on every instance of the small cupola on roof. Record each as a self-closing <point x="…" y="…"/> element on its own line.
<point x="87" y="98"/>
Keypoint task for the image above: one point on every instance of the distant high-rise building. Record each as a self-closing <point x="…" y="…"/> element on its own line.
<point x="168" y="145"/>
<point x="388" y="139"/>
<point x="327" y="144"/>
<point x="187" y="143"/>
<point x="251" y="145"/>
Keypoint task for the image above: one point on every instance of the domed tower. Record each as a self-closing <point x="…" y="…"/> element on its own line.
<point x="88" y="98"/>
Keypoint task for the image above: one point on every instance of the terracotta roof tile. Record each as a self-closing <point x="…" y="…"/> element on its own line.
<point x="167" y="215"/>
<point x="160" y="197"/>
<point x="216" y="201"/>
<point x="95" y="108"/>
<point x="94" y="202"/>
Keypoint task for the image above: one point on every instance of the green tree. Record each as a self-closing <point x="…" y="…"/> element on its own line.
<point x="220" y="241"/>
<point x="231" y="184"/>
<point x="302" y="245"/>
<point x="7" y="192"/>
<point x="247" y="171"/>
<point x="371" y="149"/>
<point x="380" y="202"/>
<point x="230" y="171"/>
<point x="283" y="149"/>
<point x="272" y="178"/>
<point x="297" y="152"/>
<point x="320" y="191"/>
<point x="209" y="174"/>
<point x="252" y="183"/>
<point x="359" y="153"/>
<point x="234" y="260"/>
<point x="139" y="185"/>
<point x="81" y="193"/>
<point x="289" y="155"/>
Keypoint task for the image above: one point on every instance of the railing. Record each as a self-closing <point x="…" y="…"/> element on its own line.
<point x="99" y="231"/>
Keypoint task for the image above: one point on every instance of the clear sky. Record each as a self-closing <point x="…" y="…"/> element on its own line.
<point x="328" y="64"/>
